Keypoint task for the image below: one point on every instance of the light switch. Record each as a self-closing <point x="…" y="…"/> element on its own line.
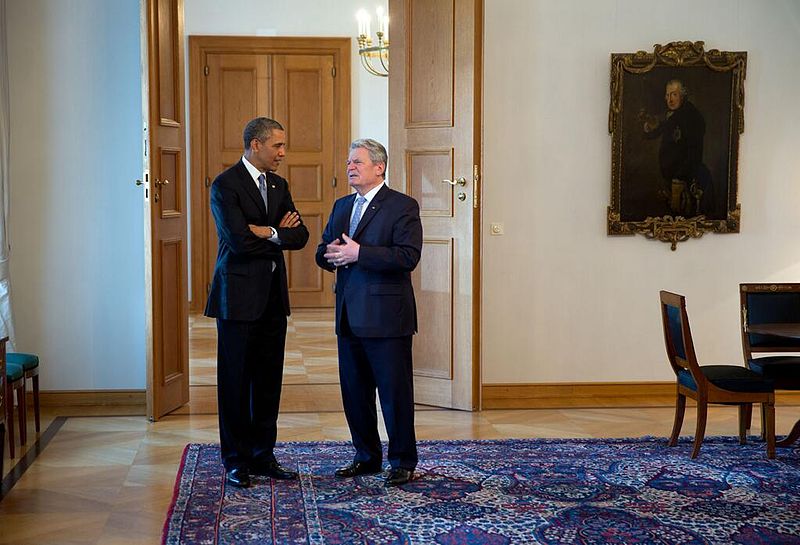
<point x="496" y="229"/>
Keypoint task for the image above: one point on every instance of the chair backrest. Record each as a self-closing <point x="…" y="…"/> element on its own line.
<point x="768" y="304"/>
<point x="678" y="336"/>
<point x="3" y="379"/>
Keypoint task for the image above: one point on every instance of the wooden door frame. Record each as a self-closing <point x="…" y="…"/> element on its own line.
<point x="199" y="48"/>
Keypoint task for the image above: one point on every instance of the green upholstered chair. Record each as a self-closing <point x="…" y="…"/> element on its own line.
<point x="30" y="364"/>
<point x="15" y="382"/>
<point x="722" y="384"/>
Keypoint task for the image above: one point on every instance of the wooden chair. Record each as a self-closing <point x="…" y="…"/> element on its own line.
<point x="771" y="304"/>
<point x="3" y="342"/>
<point x="30" y="366"/>
<point x="722" y="384"/>
<point x="15" y="382"/>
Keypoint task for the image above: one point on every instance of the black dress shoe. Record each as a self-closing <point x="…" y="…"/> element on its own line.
<point x="273" y="469"/>
<point x="399" y="476"/>
<point x="237" y="477"/>
<point x="359" y="468"/>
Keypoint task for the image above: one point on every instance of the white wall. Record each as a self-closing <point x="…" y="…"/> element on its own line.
<point x="321" y="18"/>
<point x="77" y="259"/>
<point x="562" y="301"/>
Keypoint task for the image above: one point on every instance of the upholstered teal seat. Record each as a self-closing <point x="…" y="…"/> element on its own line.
<point x="27" y="361"/>
<point x="723" y="384"/>
<point x="14" y="372"/>
<point x="30" y="364"/>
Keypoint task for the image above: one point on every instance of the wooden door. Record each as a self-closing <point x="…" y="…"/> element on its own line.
<point x="238" y="88"/>
<point x="165" y="209"/>
<point x="303" y="94"/>
<point x="434" y="135"/>
<point x="304" y="84"/>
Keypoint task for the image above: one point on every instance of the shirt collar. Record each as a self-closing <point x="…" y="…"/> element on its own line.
<point x="254" y="172"/>
<point x="374" y="191"/>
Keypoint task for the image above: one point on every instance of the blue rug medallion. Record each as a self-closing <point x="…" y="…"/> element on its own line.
<point x="522" y="491"/>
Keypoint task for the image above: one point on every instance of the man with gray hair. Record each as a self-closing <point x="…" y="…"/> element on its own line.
<point x="373" y="240"/>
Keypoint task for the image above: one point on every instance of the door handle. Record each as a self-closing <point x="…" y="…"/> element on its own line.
<point x="159" y="183"/>
<point x="458" y="181"/>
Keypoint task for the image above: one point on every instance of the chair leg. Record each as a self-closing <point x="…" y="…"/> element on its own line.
<point x="769" y="409"/>
<point x="2" y="448"/>
<point x="745" y="413"/>
<point x="680" y="409"/>
<point x="22" y="413"/>
<point x="36" y="412"/>
<point x="10" y="419"/>
<point x="764" y="422"/>
<point x="702" y="413"/>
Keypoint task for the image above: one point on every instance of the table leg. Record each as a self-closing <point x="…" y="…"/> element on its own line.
<point x="791" y="438"/>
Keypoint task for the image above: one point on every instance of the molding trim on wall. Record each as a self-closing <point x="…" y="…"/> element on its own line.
<point x="133" y="399"/>
<point x="575" y="395"/>
<point x="584" y="395"/>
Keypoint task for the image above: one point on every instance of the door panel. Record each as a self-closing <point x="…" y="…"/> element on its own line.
<point x="304" y="97"/>
<point x="434" y="136"/>
<point x="165" y="197"/>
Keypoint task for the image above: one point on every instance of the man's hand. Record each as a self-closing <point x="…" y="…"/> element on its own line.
<point x="261" y="231"/>
<point x="340" y="253"/>
<point x="291" y="219"/>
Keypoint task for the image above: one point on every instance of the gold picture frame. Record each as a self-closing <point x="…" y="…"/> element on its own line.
<point x="675" y="118"/>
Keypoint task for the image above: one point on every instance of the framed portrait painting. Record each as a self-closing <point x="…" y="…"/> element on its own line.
<point x="675" y="119"/>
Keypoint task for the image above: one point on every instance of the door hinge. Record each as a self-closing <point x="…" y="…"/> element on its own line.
<point x="333" y="182"/>
<point x="333" y="71"/>
<point x="205" y="70"/>
<point x="208" y="181"/>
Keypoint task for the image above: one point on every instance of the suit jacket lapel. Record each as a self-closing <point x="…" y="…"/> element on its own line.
<point x="343" y="220"/>
<point x="250" y="186"/>
<point x="372" y="209"/>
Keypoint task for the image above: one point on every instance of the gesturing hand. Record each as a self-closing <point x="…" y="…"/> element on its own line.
<point x="340" y="253"/>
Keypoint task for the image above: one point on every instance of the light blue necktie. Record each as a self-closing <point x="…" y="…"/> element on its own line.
<point x="262" y="188"/>
<point x="356" y="215"/>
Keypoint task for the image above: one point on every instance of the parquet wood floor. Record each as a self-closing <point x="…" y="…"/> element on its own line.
<point x="106" y="479"/>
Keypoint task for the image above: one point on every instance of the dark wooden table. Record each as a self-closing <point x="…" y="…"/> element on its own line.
<point x="789" y="331"/>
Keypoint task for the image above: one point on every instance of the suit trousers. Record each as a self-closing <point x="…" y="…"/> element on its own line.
<point x="249" y="376"/>
<point x="385" y="363"/>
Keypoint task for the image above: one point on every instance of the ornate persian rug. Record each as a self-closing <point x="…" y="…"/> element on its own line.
<point x="532" y="491"/>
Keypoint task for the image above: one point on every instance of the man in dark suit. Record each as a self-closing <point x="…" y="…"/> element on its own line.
<point x="373" y="240"/>
<point x="250" y="300"/>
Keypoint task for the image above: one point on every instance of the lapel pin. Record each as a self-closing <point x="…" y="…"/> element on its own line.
<point x="272" y="186"/>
